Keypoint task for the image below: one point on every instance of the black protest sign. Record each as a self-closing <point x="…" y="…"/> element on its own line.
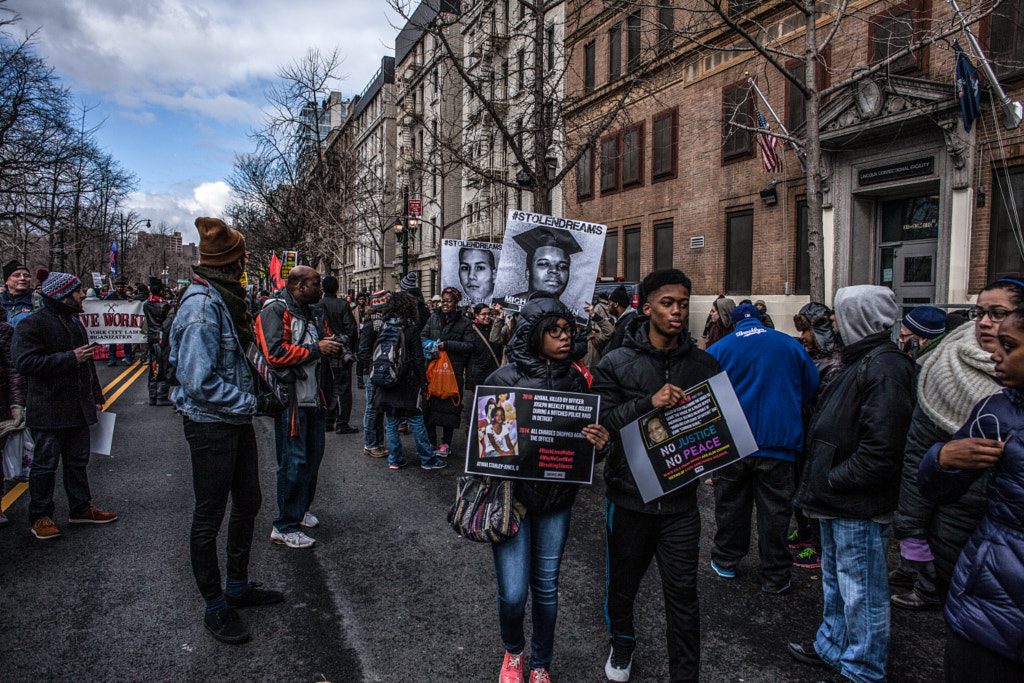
<point x="669" y="448"/>
<point x="531" y="434"/>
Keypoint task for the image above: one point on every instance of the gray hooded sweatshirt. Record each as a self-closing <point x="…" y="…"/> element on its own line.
<point x="862" y="310"/>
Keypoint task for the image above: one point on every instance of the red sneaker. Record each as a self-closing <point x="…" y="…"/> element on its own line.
<point x="540" y="676"/>
<point x="511" y="669"/>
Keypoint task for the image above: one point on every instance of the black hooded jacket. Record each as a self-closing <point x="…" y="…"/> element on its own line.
<point x="626" y="379"/>
<point x="525" y="369"/>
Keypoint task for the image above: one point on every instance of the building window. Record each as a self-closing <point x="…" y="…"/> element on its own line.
<point x="633" y="155"/>
<point x="549" y="36"/>
<point x="610" y="255"/>
<point x="802" y="285"/>
<point x="521" y="69"/>
<point x="614" y="53"/>
<point x="633" y="41"/>
<point x="666" y="26"/>
<point x="589" y="50"/>
<point x="737" y="8"/>
<point x="1006" y="39"/>
<point x="1004" y="254"/>
<point x="585" y="174"/>
<point x="610" y="164"/>
<point x="737" y="111"/>
<point x="893" y="31"/>
<point x="663" y="245"/>
<point x="739" y="255"/>
<point x="632" y="245"/>
<point x="663" y="145"/>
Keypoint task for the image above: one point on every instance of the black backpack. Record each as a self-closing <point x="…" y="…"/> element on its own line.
<point x="387" y="364"/>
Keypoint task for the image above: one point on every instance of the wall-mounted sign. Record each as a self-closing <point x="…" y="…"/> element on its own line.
<point x="904" y="169"/>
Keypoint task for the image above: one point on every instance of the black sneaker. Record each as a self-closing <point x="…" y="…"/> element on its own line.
<point x="255" y="596"/>
<point x="345" y="429"/>
<point x="226" y="626"/>
<point x="620" y="659"/>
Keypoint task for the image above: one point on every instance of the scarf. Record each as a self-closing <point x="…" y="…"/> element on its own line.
<point x="954" y="377"/>
<point x="233" y="293"/>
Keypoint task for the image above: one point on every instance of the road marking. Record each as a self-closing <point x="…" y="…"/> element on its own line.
<point x="120" y="377"/>
<point x="20" y="488"/>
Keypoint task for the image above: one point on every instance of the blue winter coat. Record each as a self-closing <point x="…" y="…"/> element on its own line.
<point x="774" y="377"/>
<point x="986" y="596"/>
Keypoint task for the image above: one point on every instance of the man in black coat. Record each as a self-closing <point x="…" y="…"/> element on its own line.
<point x="619" y="305"/>
<point x="155" y="310"/>
<point x="52" y="351"/>
<point x="654" y="366"/>
<point x="340" y="322"/>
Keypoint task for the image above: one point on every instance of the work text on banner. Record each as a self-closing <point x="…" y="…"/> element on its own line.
<point x="113" y="321"/>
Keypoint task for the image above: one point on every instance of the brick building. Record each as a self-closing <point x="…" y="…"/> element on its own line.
<point x="679" y="186"/>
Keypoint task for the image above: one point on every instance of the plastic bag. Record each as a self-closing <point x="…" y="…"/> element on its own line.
<point x="17" y="455"/>
<point x="441" y="381"/>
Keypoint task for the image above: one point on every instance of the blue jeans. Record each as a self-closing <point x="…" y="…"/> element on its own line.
<point x="371" y="439"/>
<point x="53" y="445"/>
<point x="529" y="561"/>
<point x="854" y="633"/>
<point x="298" y="464"/>
<point x="419" y="434"/>
<point x="112" y="353"/>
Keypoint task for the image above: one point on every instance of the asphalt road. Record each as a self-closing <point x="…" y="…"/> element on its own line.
<point x="389" y="593"/>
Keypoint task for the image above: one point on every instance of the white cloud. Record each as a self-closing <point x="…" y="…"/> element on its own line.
<point x="180" y="210"/>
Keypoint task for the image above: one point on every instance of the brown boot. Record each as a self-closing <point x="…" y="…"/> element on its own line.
<point x="44" y="529"/>
<point x="93" y="516"/>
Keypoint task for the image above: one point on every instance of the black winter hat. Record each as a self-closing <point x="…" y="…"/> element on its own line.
<point x="11" y="266"/>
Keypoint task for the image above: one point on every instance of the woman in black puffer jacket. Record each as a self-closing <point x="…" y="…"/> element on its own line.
<point x="539" y="358"/>
<point x="452" y="331"/>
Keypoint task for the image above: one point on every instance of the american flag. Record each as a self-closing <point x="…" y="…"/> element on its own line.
<point x="766" y="141"/>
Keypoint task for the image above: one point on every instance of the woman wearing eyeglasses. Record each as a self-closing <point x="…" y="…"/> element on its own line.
<point x="952" y="378"/>
<point x="538" y="358"/>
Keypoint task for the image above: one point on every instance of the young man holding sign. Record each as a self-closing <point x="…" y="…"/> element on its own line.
<point x="652" y="368"/>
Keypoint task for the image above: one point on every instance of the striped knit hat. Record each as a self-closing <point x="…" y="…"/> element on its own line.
<point x="57" y="285"/>
<point x="408" y="282"/>
<point x="379" y="299"/>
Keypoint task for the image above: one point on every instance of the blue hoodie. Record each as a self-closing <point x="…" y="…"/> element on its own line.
<point x="773" y="376"/>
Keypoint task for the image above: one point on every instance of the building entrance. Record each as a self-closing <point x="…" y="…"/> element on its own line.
<point x="908" y="241"/>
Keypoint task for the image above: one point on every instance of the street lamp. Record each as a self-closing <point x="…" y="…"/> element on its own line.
<point x="405" y="231"/>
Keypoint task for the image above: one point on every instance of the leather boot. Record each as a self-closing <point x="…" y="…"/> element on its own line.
<point x="161" y="394"/>
<point x="152" y="393"/>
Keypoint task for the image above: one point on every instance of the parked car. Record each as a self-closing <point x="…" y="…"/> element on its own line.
<point x="607" y="285"/>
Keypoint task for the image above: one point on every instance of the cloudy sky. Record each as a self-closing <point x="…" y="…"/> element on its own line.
<point x="178" y="84"/>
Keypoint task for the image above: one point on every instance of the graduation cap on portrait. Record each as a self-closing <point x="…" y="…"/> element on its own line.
<point x="534" y="239"/>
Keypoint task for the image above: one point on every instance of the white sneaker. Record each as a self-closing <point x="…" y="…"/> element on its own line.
<point x="310" y="521"/>
<point x="295" y="539"/>
<point x="620" y="660"/>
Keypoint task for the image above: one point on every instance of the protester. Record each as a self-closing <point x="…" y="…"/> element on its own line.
<point x="819" y="337"/>
<point x="851" y="483"/>
<point x="953" y="377"/>
<point x="654" y="366"/>
<point x="373" y="427"/>
<point x="619" y="305"/>
<point x="155" y="311"/>
<point x="985" y="608"/>
<point x="402" y="400"/>
<point x="766" y="319"/>
<point x="18" y="299"/>
<point x="360" y="312"/>
<point x="920" y="326"/>
<point x="774" y="377"/>
<point x="502" y="327"/>
<point x="721" y="320"/>
<point x="599" y="330"/>
<point x="453" y="334"/>
<point x="409" y="285"/>
<point x="340" y="323"/>
<point x="52" y="351"/>
<point x="12" y="391"/>
<point x="120" y="293"/>
<point x="290" y="333"/>
<point x="529" y="561"/>
<point x="485" y="354"/>
<point x="216" y="399"/>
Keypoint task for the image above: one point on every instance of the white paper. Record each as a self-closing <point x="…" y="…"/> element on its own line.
<point x="101" y="434"/>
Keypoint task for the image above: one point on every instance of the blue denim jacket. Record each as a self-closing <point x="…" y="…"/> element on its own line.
<point x="216" y="382"/>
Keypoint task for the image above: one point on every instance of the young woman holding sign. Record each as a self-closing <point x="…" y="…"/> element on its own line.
<point x="538" y="357"/>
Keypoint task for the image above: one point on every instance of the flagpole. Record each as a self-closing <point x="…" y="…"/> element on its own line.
<point x="1013" y="112"/>
<point x="800" y="156"/>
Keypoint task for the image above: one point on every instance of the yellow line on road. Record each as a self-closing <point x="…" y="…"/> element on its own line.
<point x="120" y="377"/>
<point x="20" y="488"/>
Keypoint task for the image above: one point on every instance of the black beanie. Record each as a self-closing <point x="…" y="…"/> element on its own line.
<point x="619" y="296"/>
<point x="11" y="266"/>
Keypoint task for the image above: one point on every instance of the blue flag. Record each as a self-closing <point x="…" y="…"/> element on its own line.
<point x="968" y="88"/>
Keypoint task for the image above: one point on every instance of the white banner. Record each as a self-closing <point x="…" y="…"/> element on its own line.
<point x="113" y="321"/>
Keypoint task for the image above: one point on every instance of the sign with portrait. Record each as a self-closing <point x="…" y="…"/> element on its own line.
<point x="531" y="434"/>
<point x="471" y="268"/>
<point x="669" y="448"/>
<point x="555" y="255"/>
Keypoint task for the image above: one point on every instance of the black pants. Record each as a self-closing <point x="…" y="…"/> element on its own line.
<point x="633" y="539"/>
<point x="966" y="662"/>
<point x="224" y="461"/>
<point x="768" y="482"/>
<point x="341" y="402"/>
<point x="71" y="446"/>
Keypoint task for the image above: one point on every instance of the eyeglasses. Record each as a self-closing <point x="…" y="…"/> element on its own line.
<point x="996" y="315"/>
<point x="557" y="331"/>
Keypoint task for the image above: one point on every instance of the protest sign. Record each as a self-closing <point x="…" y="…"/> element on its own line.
<point x="531" y="434"/>
<point x="113" y="321"/>
<point x="555" y="255"/>
<point x="290" y="259"/>
<point x="470" y="267"/>
<point x="670" y="447"/>
<point x="97" y="281"/>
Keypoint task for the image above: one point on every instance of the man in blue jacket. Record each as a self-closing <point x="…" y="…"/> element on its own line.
<point x="773" y="376"/>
